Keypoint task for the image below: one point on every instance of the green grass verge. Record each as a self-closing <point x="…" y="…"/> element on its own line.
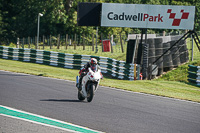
<point x="174" y="89"/>
<point x="180" y="73"/>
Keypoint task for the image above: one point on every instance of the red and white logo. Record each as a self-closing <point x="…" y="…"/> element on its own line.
<point x="177" y="21"/>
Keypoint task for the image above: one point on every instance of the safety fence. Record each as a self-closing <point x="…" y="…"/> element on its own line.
<point x="118" y="69"/>
<point x="194" y="74"/>
<point x="88" y="42"/>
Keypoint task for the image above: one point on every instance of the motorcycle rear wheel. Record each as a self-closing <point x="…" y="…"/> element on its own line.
<point x="80" y="97"/>
<point x="90" y="92"/>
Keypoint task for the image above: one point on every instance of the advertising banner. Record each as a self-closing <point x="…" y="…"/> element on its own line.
<point x="148" y="16"/>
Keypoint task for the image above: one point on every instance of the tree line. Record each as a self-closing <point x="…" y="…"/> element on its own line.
<point x="18" y="18"/>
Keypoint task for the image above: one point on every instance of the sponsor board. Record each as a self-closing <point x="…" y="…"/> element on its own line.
<point x="148" y="16"/>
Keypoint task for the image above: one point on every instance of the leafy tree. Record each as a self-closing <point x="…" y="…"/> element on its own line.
<point x="18" y="18"/>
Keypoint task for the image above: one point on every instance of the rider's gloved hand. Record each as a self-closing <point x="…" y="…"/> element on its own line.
<point x="83" y="73"/>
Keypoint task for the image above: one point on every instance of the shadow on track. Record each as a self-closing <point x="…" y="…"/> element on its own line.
<point x="61" y="100"/>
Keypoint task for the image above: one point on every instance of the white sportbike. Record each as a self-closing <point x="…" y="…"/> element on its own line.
<point x="90" y="83"/>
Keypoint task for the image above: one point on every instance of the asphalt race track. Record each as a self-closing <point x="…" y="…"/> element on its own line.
<point x="111" y="111"/>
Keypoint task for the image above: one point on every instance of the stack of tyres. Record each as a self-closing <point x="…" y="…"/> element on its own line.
<point x="145" y="48"/>
<point x="175" y="54"/>
<point x="151" y="53"/>
<point x="167" y="58"/>
<point x="168" y="61"/>
<point x="183" y="51"/>
<point x="158" y="53"/>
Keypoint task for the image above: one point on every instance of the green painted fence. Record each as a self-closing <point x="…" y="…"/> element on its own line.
<point x="194" y="74"/>
<point x="118" y="69"/>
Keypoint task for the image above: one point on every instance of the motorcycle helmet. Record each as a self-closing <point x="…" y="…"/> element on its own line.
<point x="93" y="61"/>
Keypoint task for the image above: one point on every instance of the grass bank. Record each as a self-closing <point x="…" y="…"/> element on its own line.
<point x="180" y="73"/>
<point x="174" y="89"/>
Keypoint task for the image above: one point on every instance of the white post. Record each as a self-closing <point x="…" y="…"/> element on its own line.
<point x="192" y="52"/>
<point x="17" y="42"/>
<point x="40" y="14"/>
<point x="96" y="39"/>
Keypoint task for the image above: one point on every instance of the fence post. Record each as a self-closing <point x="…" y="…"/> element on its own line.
<point x="121" y="42"/>
<point x="124" y="39"/>
<point x="66" y="39"/>
<point x="79" y="42"/>
<point x="83" y="41"/>
<point x="192" y="48"/>
<point x="50" y="42"/>
<point x="23" y="43"/>
<point x="18" y="42"/>
<point x="43" y="41"/>
<point x="29" y="43"/>
<point x="92" y="42"/>
<point x="36" y="43"/>
<point x="58" y="42"/>
<point x="70" y="40"/>
<point x="102" y="42"/>
<point x="96" y="39"/>
<point x="111" y="43"/>
<point x="47" y="41"/>
<point x="75" y="42"/>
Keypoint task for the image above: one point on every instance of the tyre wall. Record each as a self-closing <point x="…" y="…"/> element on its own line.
<point x="174" y="57"/>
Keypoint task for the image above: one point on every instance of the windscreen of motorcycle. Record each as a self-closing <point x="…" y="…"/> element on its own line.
<point x="94" y="67"/>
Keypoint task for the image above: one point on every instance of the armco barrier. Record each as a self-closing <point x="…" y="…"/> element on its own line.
<point x="118" y="69"/>
<point x="194" y="74"/>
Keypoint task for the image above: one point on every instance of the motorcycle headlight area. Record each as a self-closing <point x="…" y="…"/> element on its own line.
<point x="94" y="80"/>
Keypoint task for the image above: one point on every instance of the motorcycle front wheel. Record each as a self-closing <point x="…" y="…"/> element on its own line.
<point x="80" y="97"/>
<point x="90" y="92"/>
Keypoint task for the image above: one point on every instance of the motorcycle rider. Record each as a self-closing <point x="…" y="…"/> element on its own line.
<point x="84" y="71"/>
